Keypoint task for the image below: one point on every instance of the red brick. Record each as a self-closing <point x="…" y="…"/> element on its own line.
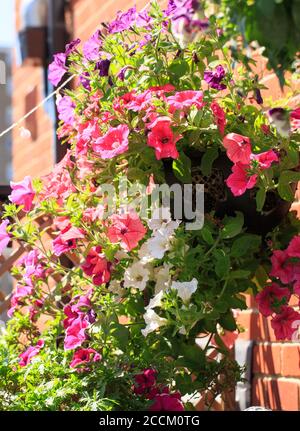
<point x="291" y="360"/>
<point x="267" y="358"/>
<point x="276" y="393"/>
<point x="248" y="320"/>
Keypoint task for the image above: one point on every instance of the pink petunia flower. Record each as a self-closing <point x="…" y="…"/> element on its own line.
<point x="162" y="139"/>
<point x="85" y="356"/>
<point x="113" y="143"/>
<point x="184" y="100"/>
<point x="281" y="267"/>
<point x="66" y="240"/>
<point x="18" y="297"/>
<point x="4" y="235"/>
<point x="31" y="352"/>
<point x="293" y="249"/>
<point x="265" y="159"/>
<point x="219" y="116"/>
<point x="22" y="193"/>
<point x="126" y="229"/>
<point x="238" y="148"/>
<point x="239" y="181"/>
<point x="75" y="333"/>
<point x="285" y="323"/>
<point x="268" y="297"/>
<point x="97" y="266"/>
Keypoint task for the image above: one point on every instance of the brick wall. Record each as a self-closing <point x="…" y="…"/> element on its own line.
<point x="276" y="371"/>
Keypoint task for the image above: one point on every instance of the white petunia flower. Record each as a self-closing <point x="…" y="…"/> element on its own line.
<point x="185" y="289"/>
<point x="153" y="322"/>
<point x="161" y="219"/>
<point x="155" y="301"/>
<point x="144" y="253"/>
<point x="158" y="245"/>
<point x="162" y="277"/>
<point x="136" y="276"/>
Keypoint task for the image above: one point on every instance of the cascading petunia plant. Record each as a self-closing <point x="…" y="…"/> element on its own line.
<point x="146" y="317"/>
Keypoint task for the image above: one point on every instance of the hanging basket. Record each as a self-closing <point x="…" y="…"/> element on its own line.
<point x="219" y="198"/>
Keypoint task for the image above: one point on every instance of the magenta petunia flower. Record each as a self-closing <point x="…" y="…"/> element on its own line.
<point x="268" y="297"/>
<point x="18" y="297"/>
<point x="57" y="68"/>
<point x="97" y="266"/>
<point x="127" y="229"/>
<point x="84" y="356"/>
<point x="67" y="240"/>
<point x="144" y="381"/>
<point x="31" y="352"/>
<point x="286" y="323"/>
<point x="75" y="333"/>
<point x="293" y="249"/>
<point x="65" y="108"/>
<point x="238" y="148"/>
<point x="215" y="77"/>
<point x="167" y="402"/>
<point x="113" y="143"/>
<point x="282" y="268"/>
<point x="239" y="181"/>
<point x="22" y="193"/>
<point x="4" y="235"/>
<point x="162" y="139"/>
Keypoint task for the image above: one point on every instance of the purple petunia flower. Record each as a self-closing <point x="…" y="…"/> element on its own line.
<point x="103" y="67"/>
<point x="123" y="21"/>
<point x="92" y="46"/>
<point x="57" y="68"/>
<point x="258" y="96"/>
<point x="143" y="19"/>
<point x="214" y="77"/>
<point x="70" y="47"/>
<point x="65" y="108"/>
<point x="84" y="79"/>
<point x="121" y="74"/>
<point x="145" y="40"/>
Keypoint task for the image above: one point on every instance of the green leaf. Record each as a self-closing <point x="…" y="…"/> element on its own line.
<point x="178" y="68"/>
<point x="182" y="168"/>
<point x="193" y="357"/>
<point x="207" y="235"/>
<point x="232" y="226"/>
<point x="260" y="199"/>
<point x="239" y="273"/>
<point x="242" y="245"/>
<point x="227" y="321"/>
<point x="208" y="159"/>
<point x="121" y="333"/>
<point x="284" y="185"/>
<point x="222" y="265"/>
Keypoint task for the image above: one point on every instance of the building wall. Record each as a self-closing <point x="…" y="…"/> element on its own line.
<point x="5" y="115"/>
<point x="276" y="371"/>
